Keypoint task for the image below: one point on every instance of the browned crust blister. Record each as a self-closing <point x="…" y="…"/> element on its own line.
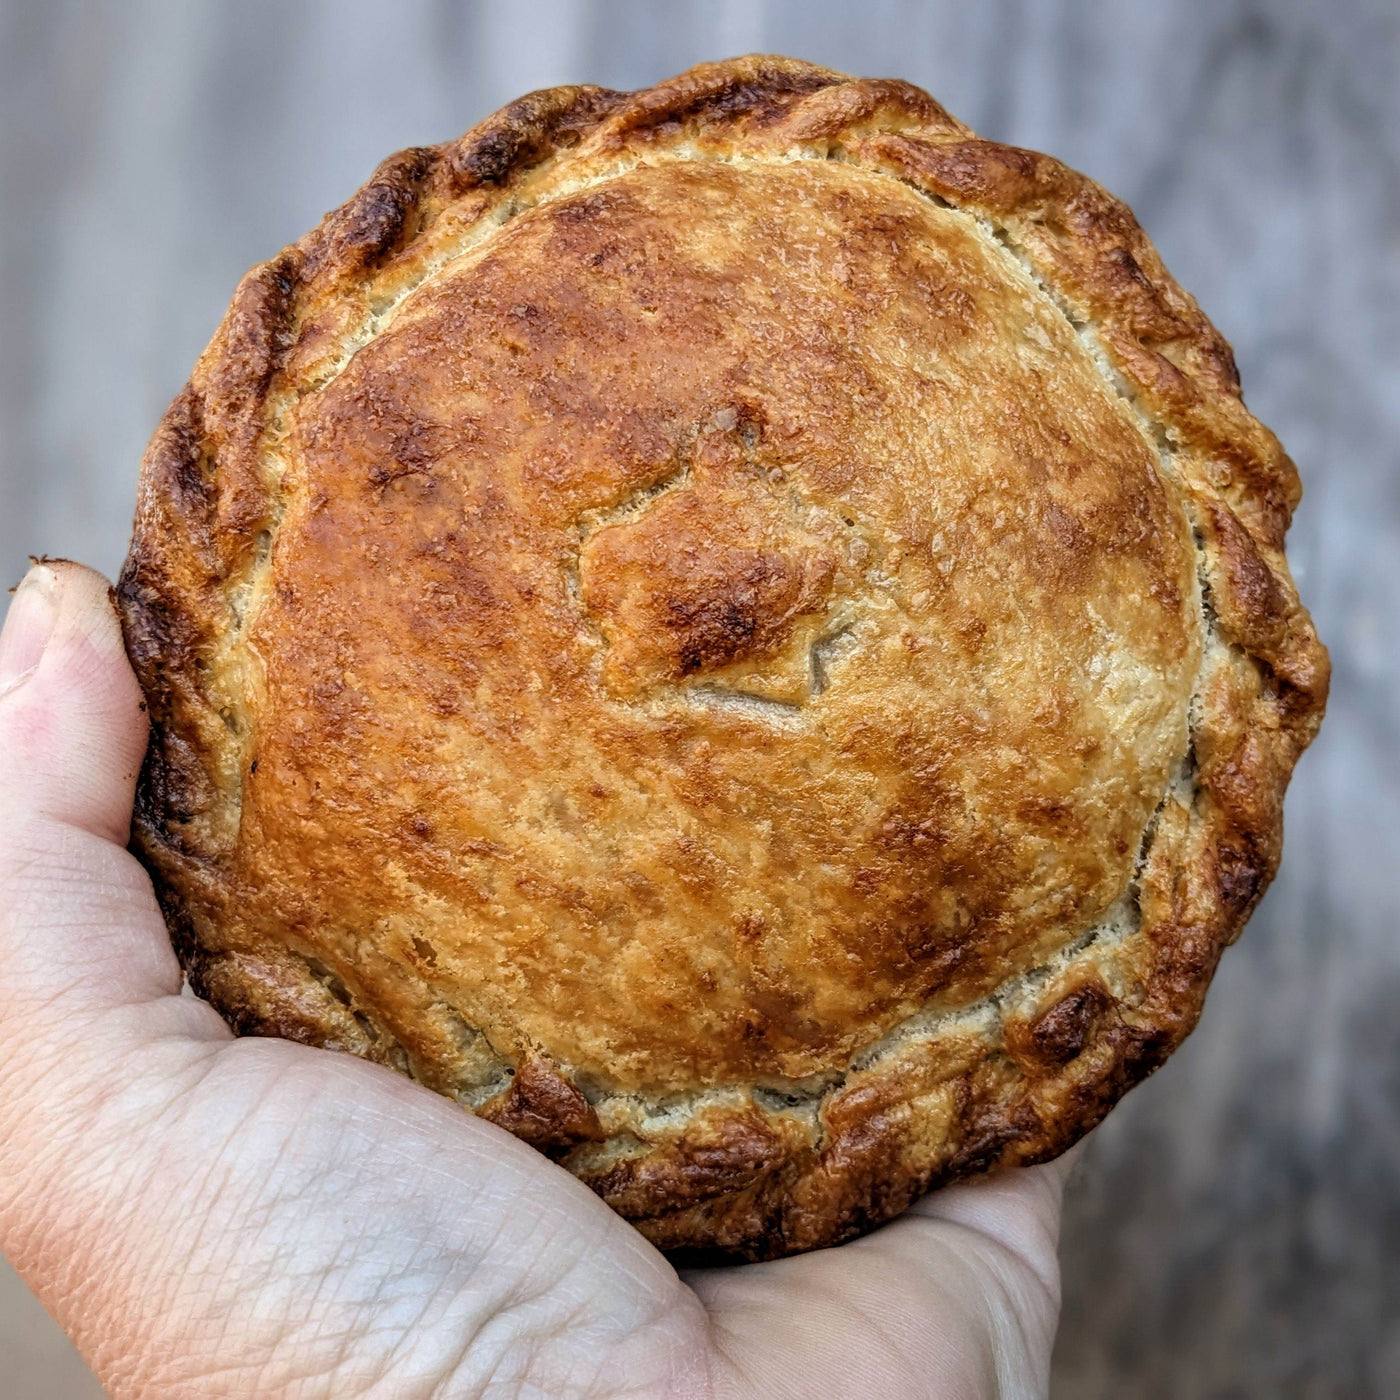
<point x="1012" y="1081"/>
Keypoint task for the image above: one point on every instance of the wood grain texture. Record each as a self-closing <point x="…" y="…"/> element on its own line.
<point x="1238" y="1221"/>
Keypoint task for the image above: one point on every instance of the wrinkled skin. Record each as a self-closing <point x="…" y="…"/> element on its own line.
<point x="208" y="1216"/>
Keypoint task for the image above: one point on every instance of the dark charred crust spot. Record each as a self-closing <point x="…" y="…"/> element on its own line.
<point x="1243" y="879"/>
<point x="178" y="456"/>
<point x="719" y="1153"/>
<point x="494" y="156"/>
<point x="177" y="501"/>
<point x="174" y="789"/>
<point x="525" y="132"/>
<point x="183" y="938"/>
<point x="717" y="629"/>
<point x="374" y="223"/>
<point x="1060" y="1033"/>
<point x="161" y="639"/>
<point x="544" y="1108"/>
<point x="990" y="1128"/>
<point x="234" y="378"/>
<point x="758" y="90"/>
<point x="254" y="340"/>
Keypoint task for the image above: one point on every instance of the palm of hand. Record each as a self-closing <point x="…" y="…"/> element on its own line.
<point x="218" y="1217"/>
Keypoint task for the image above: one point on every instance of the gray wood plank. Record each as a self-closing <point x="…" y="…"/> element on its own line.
<point x="1237" y="1223"/>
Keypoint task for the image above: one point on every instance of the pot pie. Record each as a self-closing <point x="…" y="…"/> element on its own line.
<point x="738" y="631"/>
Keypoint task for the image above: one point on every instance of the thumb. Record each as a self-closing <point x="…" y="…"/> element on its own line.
<point x="72" y="721"/>
<point x="91" y="1022"/>
<point x="79" y="926"/>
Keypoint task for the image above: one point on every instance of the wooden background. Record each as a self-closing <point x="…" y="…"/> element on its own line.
<point x="1237" y="1225"/>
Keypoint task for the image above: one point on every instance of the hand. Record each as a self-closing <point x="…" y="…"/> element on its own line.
<point x="209" y="1216"/>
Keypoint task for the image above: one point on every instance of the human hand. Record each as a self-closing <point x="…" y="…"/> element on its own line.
<point x="208" y="1216"/>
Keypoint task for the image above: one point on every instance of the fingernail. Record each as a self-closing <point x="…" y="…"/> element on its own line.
<point x="28" y="625"/>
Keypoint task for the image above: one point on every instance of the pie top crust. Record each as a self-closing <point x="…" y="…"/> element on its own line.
<point x="738" y="630"/>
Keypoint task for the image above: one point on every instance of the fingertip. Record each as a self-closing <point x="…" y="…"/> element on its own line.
<point x="79" y="923"/>
<point x="29" y="624"/>
<point x="72" y="718"/>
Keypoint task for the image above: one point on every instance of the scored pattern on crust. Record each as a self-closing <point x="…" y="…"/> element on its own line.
<point x="1014" y="1079"/>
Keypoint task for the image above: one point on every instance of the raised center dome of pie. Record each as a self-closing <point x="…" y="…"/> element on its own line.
<point x="721" y="613"/>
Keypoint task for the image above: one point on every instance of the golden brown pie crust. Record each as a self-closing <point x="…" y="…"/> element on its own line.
<point x="738" y="630"/>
